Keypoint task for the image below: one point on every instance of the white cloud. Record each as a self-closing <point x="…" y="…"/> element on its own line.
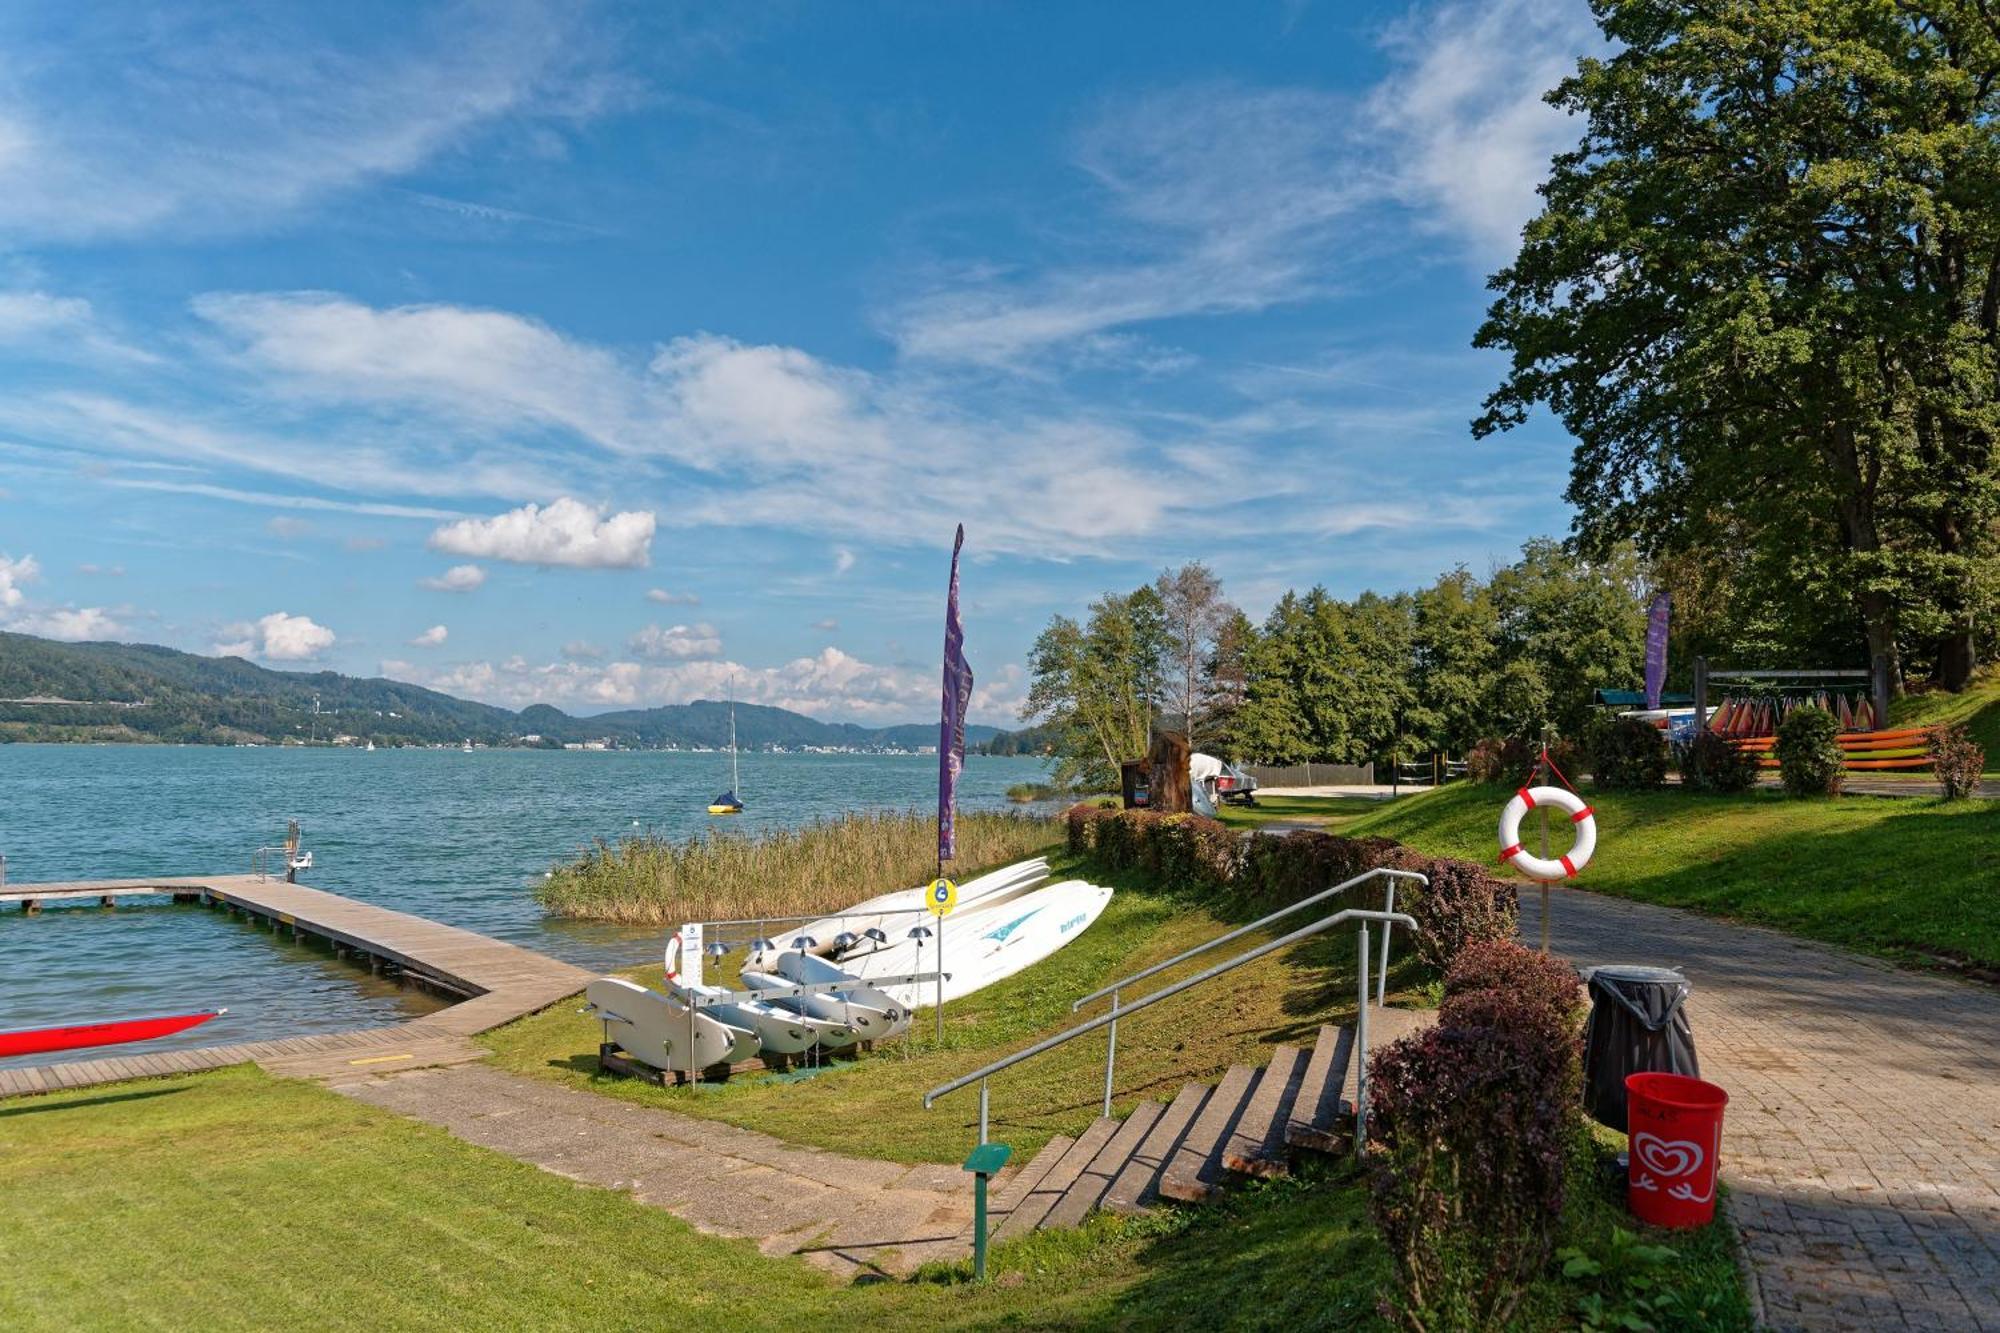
<point x="566" y="532"/>
<point x="193" y="123"/>
<point x="827" y="626"/>
<point x="1469" y="135"/>
<point x="661" y="597"/>
<point x="14" y="574"/>
<point x="72" y="624"/>
<point x="278" y="637"/>
<point x="676" y="641"/>
<point x="41" y="324"/>
<point x="830" y="684"/>
<point x="843" y="560"/>
<point x="459" y="578"/>
<point x="433" y="637"/>
<point x="106" y="571"/>
<point x="582" y="650"/>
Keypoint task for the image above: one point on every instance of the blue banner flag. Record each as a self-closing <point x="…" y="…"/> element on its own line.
<point x="951" y="722"/>
<point x="1656" y="648"/>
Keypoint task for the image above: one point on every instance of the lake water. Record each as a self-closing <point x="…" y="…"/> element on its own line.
<point x="460" y="838"/>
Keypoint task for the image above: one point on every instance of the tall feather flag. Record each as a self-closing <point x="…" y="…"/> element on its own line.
<point x="1656" y="648"/>
<point x="951" y="722"/>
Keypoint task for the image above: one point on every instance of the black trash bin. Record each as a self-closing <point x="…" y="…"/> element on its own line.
<point x="1638" y="1025"/>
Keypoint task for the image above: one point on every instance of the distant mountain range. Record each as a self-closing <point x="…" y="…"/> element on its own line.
<point x="52" y="691"/>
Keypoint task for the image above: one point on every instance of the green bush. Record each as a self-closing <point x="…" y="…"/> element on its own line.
<point x="1474" y="1128"/>
<point x="1809" y="758"/>
<point x="1957" y="760"/>
<point x="1463" y="905"/>
<point x="1710" y="763"/>
<point x="1627" y="754"/>
<point x="1504" y="966"/>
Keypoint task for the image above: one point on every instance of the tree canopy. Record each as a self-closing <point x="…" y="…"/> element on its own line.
<point x="1763" y="294"/>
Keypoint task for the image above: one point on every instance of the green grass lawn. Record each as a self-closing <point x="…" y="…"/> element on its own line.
<point x="232" y="1200"/>
<point x="1324" y="812"/>
<point x="873" y="1106"/>
<point x="1909" y="878"/>
<point x="1978" y="707"/>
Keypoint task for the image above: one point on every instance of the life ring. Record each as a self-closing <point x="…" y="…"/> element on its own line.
<point x="1534" y="867"/>
<point x="671" y="959"/>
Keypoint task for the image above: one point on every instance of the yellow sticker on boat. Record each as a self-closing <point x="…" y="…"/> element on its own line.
<point x="942" y="897"/>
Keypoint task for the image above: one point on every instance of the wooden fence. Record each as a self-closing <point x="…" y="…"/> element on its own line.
<point x="1313" y="775"/>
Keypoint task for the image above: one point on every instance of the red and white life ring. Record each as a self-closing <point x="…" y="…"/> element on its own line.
<point x="671" y="959"/>
<point x="1560" y="798"/>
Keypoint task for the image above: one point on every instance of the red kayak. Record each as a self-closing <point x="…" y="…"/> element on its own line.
<point x="34" y="1041"/>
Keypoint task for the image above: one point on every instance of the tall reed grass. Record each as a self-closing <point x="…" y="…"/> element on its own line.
<point x="812" y="870"/>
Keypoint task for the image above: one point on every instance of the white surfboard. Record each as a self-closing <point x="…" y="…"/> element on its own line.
<point x="654" y="1028"/>
<point x="867" y="1021"/>
<point x="988" y="944"/>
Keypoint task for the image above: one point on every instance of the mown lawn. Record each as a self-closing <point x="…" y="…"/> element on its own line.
<point x="1908" y="878"/>
<point x="1977" y="706"/>
<point x="235" y="1201"/>
<point x="1322" y="812"/>
<point x="873" y="1106"/>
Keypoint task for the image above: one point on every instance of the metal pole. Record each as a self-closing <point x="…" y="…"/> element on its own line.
<point x="1545" y="883"/>
<point x="940" y="989"/>
<point x="1111" y="1054"/>
<point x="979" y="1223"/>
<point x="1361" y="1052"/>
<point x="1382" y="986"/>
<point x="982" y="1110"/>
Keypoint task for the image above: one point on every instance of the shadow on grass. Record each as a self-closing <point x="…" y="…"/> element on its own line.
<point x="84" y="1103"/>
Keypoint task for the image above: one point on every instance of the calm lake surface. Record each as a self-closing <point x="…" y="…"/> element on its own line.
<point x="460" y="838"/>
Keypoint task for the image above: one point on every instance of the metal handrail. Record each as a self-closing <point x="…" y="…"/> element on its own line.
<point x="1391" y="875"/>
<point x="1362" y="915"/>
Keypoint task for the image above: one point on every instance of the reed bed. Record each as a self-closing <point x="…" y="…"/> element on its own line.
<point x="816" y="869"/>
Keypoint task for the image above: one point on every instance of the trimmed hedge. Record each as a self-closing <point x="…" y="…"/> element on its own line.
<point x="1464" y="904"/>
<point x="1710" y="763"/>
<point x="1810" y="762"/>
<point x="1471" y="1139"/>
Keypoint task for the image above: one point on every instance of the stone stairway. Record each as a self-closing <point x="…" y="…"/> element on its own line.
<point x="1248" y="1125"/>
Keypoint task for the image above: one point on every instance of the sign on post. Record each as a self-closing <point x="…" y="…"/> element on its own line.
<point x="943" y="896"/>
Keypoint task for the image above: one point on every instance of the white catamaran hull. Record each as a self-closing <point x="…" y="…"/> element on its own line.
<point x="989" y="944"/>
<point x="895" y="912"/>
<point x="868" y="1022"/>
<point x="654" y="1028"/>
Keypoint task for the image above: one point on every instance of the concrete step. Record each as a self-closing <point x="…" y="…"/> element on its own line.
<point x="1320" y="1118"/>
<point x="1256" y="1145"/>
<point x="1035" y="1205"/>
<point x="1009" y="1196"/>
<point x="1195" y="1169"/>
<point x="1138" y="1182"/>
<point x="1385" y="1026"/>
<point x="1090" y="1187"/>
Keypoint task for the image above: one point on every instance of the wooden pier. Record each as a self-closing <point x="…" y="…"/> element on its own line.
<point x="499" y="982"/>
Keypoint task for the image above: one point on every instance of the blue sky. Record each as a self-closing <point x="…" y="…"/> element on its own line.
<point x="596" y="355"/>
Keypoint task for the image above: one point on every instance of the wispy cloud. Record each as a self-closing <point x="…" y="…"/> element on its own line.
<point x="218" y="123"/>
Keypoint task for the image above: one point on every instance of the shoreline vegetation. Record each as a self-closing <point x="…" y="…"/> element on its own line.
<point x="812" y="869"/>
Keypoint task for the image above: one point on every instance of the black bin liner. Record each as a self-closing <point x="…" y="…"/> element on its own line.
<point x="1638" y="1025"/>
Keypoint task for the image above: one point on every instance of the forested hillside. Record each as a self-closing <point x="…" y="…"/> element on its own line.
<point x="139" y="692"/>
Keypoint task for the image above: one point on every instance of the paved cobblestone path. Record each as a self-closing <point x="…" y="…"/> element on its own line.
<point x="1862" y="1142"/>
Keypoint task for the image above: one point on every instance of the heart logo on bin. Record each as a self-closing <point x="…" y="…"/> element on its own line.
<point x="1668" y="1157"/>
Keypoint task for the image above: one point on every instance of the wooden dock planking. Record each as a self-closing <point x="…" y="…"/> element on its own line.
<point x="500" y="981"/>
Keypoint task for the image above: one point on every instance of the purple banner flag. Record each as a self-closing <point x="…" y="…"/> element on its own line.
<point x="951" y="722"/>
<point x="1656" y="648"/>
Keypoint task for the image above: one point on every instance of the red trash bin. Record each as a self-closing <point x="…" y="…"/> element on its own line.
<point x="1675" y="1123"/>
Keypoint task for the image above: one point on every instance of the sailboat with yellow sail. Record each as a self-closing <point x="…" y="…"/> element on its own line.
<point x="729" y="803"/>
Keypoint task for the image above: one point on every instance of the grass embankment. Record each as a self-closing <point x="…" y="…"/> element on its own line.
<point x="1327" y="813"/>
<point x="874" y="1106"/>
<point x="817" y="868"/>
<point x="1977" y="706"/>
<point x="235" y="1201"/>
<point x="1908" y="878"/>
